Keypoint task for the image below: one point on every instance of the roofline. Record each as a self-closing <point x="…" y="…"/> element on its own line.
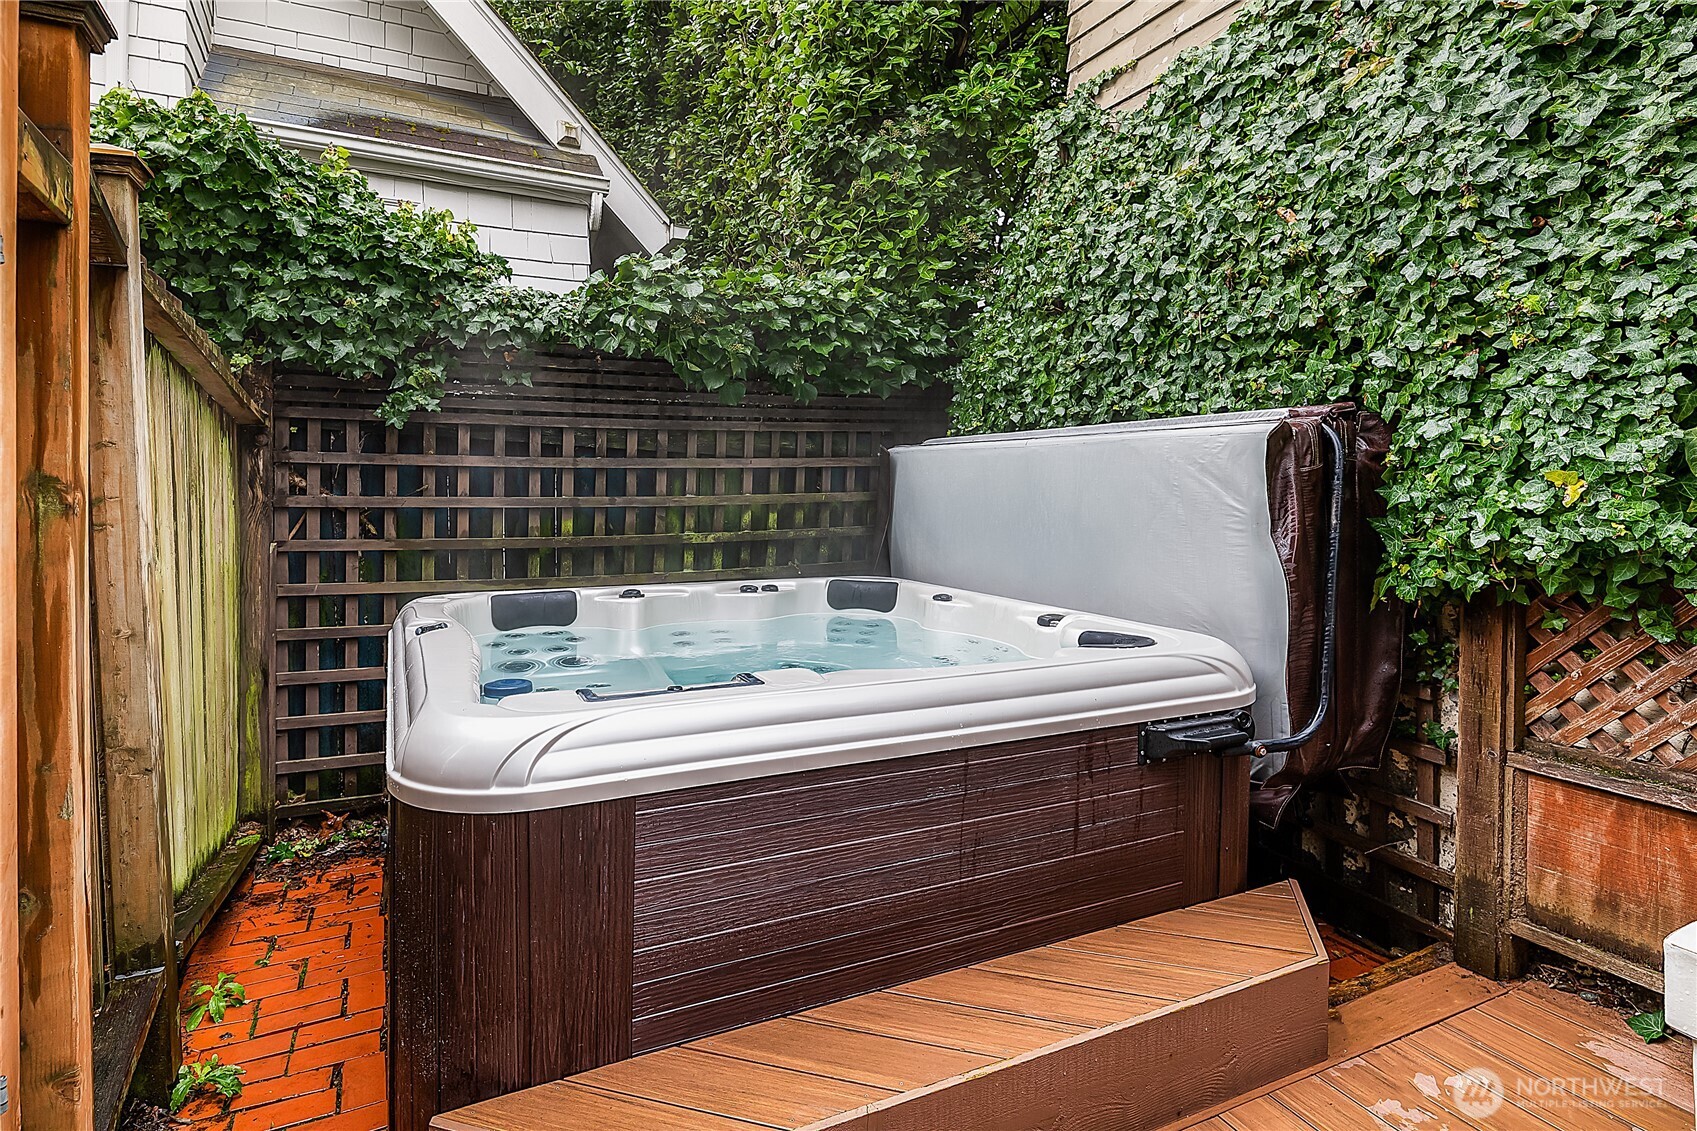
<point x="440" y="166"/>
<point x="483" y="33"/>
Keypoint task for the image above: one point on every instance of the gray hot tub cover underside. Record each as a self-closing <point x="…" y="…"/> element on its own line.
<point x="1211" y="523"/>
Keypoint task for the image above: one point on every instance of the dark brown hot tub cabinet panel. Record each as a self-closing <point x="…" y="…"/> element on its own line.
<point x="525" y="947"/>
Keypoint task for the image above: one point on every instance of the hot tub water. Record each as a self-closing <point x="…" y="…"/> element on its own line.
<point x="612" y="661"/>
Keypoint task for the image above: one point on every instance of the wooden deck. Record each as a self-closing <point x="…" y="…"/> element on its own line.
<point x="1128" y="1028"/>
<point x="1449" y="1051"/>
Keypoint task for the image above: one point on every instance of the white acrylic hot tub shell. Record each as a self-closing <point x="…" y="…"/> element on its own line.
<point x="450" y="751"/>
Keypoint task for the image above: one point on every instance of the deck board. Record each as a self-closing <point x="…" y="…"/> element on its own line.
<point x="845" y="1054"/>
<point x="1106" y="972"/>
<point x="1397" y="1056"/>
<point x="1037" y="998"/>
<point x="996" y="1035"/>
<point x="766" y="1094"/>
<point x="1039" y="1039"/>
<point x="565" y="1106"/>
<point x="1157" y="947"/>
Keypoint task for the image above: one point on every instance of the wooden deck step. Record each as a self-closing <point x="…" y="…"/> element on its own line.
<point x="1448" y="1049"/>
<point x="1130" y="1028"/>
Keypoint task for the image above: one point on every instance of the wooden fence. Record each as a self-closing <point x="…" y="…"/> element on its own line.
<point x="1578" y="810"/>
<point x="197" y="579"/>
<point x="170" y="645"/>
<point x="596" y="472"/>
<point x="1377" y="856"/>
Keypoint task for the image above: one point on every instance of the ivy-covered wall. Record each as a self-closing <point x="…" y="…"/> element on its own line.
<point x="1476" y="217"/>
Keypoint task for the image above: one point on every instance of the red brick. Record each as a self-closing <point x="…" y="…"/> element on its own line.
<point x="265" y="1067"/>
<point x="286" y="1113"/>
<point x="349" y="916"/>
<point x="335" y="1029"/>
<point x="372" y="1117"/>
<point x="318" y="933"/>
<point x="253" y="1048"/>
<point x="335" y="1052"/>
<point x="271" y="979"/>
<point x="282" y="1088"/>
<point x="327" y="948"/>
<point x="237" y="960"/>
<point x="258" y="927"/>
<point x="207" y="1109"/>
<point x="272" y="918"/>
<point x="217" y="1036"/>
<point x="367" y="991"/>
<point x="365" y="1080"/>
<point x="222" y="933"/>
<point x="323" y="971"/>
<point x="289" y="997"/>
<point x="323" y="940"/>
<point x="366" y="934"/>
<point x="277" y="1016"/>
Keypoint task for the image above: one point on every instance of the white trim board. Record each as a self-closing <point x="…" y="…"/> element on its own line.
<point x="441" y="166"/>
<point x="482" y="32"/>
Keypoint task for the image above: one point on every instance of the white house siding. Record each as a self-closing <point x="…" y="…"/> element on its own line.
<point x="164" y="44"/>
<point x="1143" y="36"/>
<point x="397" y="38"/>
<point x="546" y="241"/>
<point x="161" y="47"/>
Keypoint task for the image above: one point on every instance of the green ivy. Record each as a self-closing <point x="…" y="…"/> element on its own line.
<point x="289" y="260"/>
<point x="1476" y="218"/>
<point x="886" y="140"/>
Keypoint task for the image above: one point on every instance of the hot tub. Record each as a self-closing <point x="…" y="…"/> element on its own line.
<point x="629" y="817"/>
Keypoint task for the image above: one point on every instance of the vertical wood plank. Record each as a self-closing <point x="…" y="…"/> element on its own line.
<point x="1201" y="778"/>
<point x="10" y="504"/>
<point x="506" y="976"/>
<point x="126" y="604"/>
<point x="55" y="1085"/>
<point x="414" y="1045"/>
<point x="1492" y="673"/>
<point x="255" y="659"/>
<point x="1234" y="825"/>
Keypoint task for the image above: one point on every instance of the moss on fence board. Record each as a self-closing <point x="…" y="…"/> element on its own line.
<point x="195" y="545"/>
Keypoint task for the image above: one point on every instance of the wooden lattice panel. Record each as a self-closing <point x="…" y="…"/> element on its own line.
<point x="1379" y="847"/>
<point x="1599" y="682"/>
<point x="597" y="472"/>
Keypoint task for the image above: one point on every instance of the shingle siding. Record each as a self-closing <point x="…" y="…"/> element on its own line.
<point x="396" y="38"/>
<point x="161" y="47"/>
<point x="1143" y="36"/>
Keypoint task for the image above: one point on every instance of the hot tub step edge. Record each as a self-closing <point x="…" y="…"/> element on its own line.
<point x="835" y="1068"/>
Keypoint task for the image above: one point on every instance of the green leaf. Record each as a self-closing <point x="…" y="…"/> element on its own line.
<point x="1651" y="1026"/>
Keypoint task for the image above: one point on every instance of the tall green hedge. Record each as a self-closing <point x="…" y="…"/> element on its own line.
<point x="1476" y="218"/>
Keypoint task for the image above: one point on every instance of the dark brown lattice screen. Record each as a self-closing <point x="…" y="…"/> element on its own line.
<point x="598" y="472"/>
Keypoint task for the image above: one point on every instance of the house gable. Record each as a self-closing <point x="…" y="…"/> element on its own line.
<point x="406" y="87"/>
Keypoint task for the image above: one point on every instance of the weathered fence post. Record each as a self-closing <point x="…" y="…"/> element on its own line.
<point x="55" y="1085"/>
<point x="126" y="604"/>
<point x="1492" y="676"/>
<point x="9" y="548"/>
<point x="253" y="483"/>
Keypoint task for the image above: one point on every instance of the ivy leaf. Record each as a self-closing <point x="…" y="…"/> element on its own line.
<point x="1651" y="1026"/>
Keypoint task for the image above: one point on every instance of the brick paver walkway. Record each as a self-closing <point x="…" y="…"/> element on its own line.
<point x="309" y="953"/>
